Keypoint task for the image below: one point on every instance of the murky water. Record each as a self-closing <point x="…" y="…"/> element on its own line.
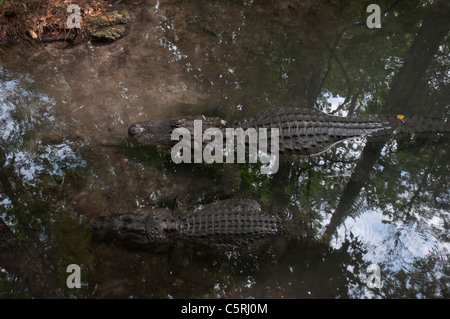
<point x="64" y="117"/>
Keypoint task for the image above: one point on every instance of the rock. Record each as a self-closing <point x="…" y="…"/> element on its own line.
<point x="111" y="18"/>
<point x="110" y="25"/>
<point x="111" y="33"/>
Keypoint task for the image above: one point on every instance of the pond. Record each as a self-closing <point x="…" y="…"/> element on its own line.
<point x="67" y="157"/>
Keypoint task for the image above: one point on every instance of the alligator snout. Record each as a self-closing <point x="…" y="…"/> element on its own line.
<point x="104" y="223"/>
<point x="151" y="132"/>
<point x="142" y="132"/>
<point x="98" y="223"/>
<point x="135" y="129"/>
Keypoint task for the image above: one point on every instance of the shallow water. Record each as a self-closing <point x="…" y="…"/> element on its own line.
<point x="64" y="118"/>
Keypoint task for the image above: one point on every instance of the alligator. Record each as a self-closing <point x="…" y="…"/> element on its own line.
<point x="227" y="224"/>
<point x="302" y="131"/>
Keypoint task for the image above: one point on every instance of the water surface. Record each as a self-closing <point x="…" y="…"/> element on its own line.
<point x="64" y="118"/>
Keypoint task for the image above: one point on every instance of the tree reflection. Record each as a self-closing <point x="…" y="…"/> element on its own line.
<point x="360" y="200"/>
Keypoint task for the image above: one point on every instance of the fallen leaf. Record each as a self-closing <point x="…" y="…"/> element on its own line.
<point x="33" y="34"/>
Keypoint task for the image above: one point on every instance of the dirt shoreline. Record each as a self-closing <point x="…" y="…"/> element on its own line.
<point x="46" y="20"/>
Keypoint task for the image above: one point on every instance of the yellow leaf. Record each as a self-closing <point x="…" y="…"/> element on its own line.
<point x="400" y="117"/>
<point x="204" y="117"/>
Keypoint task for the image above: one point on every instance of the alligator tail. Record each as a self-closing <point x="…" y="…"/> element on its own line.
<point x="417" y="124"/>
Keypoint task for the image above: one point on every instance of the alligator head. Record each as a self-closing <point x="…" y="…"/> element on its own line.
<point x="159" y="132"/>
<point x="139" y="228"/>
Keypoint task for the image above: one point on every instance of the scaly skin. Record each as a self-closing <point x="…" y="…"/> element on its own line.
<point x="232" y="223"/>
<point x="303" y="131"/>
